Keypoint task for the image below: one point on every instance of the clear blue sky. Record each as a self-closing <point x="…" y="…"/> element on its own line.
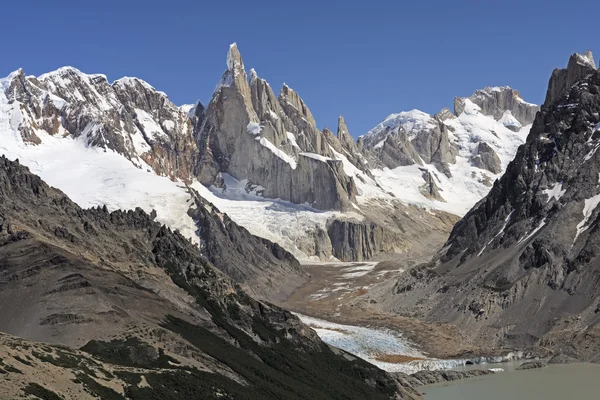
<point x="363" y="59"/>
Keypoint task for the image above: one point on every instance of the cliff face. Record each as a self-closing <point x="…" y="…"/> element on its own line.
<point x="531" y="246"/>
<point x="273" y="142"/>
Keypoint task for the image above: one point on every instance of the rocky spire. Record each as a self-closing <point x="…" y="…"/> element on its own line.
<point x="290" y="97"/>
<point x="580" y="65"/>
<point x="495" y="101"/>
<point x="236" y="76"/>
<point x="343" y="135"/>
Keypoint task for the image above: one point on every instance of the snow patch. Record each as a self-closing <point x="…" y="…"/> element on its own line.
<point x="555" y="192"/>
<point x="509" y="120"/>
<point x="152" y="129"/>
<point x="316" y="156"/>
<point x="540" y="226"/>
<point x="292" y="139"/>
<point x="588" y="208"/>
<point x="254" y="128"/>
<point x="277" y="151"/>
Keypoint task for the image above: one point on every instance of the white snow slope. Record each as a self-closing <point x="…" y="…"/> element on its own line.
<point x="465" y="187"/>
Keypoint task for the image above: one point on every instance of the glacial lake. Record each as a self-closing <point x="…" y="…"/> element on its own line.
<point x="555" y="382"/>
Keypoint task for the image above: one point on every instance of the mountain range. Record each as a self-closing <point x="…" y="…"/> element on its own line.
<point x="261" y="159"/>
<point x="153" y="239"/>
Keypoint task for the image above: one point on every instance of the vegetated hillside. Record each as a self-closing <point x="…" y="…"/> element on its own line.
<point x="152" y="316"/>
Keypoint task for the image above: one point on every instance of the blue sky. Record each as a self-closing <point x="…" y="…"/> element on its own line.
<point x="364" y="60"/>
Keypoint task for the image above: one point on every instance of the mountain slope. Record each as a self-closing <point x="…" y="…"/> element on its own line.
<point x="531" y="246"/>
<point x="92" y="167"/>
<point x="449" y="161"/>
<point x="147" y="306"/>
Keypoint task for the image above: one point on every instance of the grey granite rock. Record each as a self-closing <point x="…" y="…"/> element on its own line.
<point x="579" y="66"/>
<point x="532" y="365"/>
<point x="495" y="101"/>
<point x="273" y="142"/>
<point x="486" y="158"/>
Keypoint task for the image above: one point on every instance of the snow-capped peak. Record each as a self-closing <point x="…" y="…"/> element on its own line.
<point x="234" y="59"/>
<point x="410" y="121"/>
<point x="586" y="59"/>
<point x="132" y="82"/>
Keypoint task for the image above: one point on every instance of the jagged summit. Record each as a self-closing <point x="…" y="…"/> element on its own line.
<point x="579" y="66"/>
<point x="586" y="59"/>
<point x="495" y="101"/>
<point x="234" y="58"/>
<point x="531" y="246"/>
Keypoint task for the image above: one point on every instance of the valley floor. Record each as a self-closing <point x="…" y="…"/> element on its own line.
<point x="339" y="303"/>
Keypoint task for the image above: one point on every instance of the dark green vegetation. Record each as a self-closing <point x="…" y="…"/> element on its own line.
<point x="131" y="352"/>
<point x="98" y="390"/>
<point x="41" y="392"/>
<point x="282" y="371"/>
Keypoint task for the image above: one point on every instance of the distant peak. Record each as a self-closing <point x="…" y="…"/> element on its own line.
<point x="586" y="59"/>
<point x="133" y="81"/>
<point x="342" y="127"/>
<point x="66" y="70"/>
<point x="234" y="58"/>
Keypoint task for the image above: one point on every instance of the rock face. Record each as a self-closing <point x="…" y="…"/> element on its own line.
<point x="136" y="297"/>
<point x="486" y="158"/>
<point x="273" y="142"/>
<point x="496" y="101"/>
<point x="129" y="117"/>
<point x="580" y="65"/>
<point x="412" y="137"/>
<point x="531" y="246"/>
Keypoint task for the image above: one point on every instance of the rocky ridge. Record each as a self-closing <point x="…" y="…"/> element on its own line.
<point x="530" y="246"/>
<point x="147" y="311"/>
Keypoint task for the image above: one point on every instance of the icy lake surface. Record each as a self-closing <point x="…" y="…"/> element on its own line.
<point x="368" y="343"/>
<point x="555" y="382"/>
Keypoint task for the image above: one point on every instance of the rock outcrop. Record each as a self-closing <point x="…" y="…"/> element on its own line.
<point x="532" y="365"/>
<point x="496" y="101"/>
<point x="486" y="158"/>
<point x="579" y="66"/>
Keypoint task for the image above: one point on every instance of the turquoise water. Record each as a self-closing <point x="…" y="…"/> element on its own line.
<point x="555" y="382"/>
